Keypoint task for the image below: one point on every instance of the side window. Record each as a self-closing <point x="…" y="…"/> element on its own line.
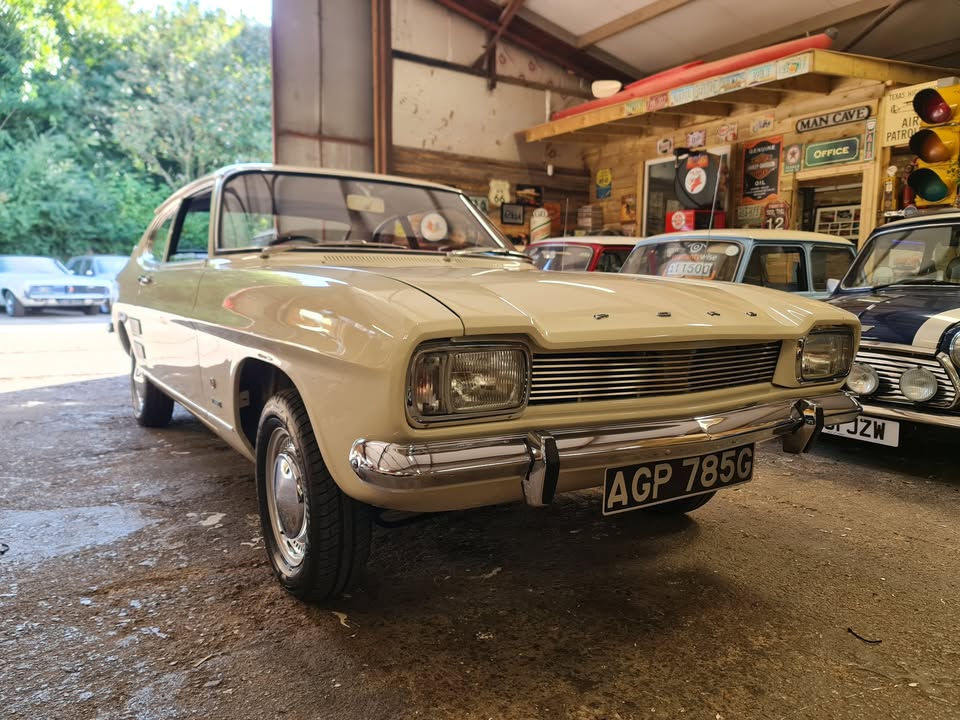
<point x="829" y="262"/>
<point x="192" y="231"/>
<point x="158" y="240"/>
<point x="611" y="260"/>
<point x="781" y="268"/>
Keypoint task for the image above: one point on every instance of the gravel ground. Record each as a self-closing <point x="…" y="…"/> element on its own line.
<point x="133" y="582"/>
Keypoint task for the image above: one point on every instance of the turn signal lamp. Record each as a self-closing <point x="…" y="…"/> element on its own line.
<point x="937" y="146"/>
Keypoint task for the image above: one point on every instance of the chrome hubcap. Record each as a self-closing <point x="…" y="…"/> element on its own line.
<point x="288" y="518"/>
<point x="8" y="302"/>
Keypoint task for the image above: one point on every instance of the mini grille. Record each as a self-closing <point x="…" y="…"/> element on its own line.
<point x="585" y="377"/>
<point x="890" y="367"/>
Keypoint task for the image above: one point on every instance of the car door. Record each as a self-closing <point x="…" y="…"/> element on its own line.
<point x="781" y="266"/>
<point x="169" y="276"/>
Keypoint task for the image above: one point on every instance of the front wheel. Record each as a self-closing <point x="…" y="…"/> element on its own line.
<point x="13" y="306"/>
<point x="683" y="505"/>
<point x="317" y="538"/>
<point x="151" y="406"/>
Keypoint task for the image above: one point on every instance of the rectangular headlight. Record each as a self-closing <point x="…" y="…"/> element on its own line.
<point x="447" y="383"/>
<point x="825" y="354"/>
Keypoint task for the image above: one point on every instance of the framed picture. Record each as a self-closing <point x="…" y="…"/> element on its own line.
<point x="511" y="214"/>
<point x="529" y="195"/>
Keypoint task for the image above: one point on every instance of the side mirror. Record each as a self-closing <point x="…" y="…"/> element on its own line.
<point x="832" y="285"/>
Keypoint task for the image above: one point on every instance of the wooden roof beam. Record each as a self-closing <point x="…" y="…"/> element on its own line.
<point x="813" y="84"/>
<point x="754" y="96"/>
<point x="504" y="21"/>
<point x="629" y="21"/>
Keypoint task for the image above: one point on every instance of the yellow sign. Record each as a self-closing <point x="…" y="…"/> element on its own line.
<point x="900" y="122"/>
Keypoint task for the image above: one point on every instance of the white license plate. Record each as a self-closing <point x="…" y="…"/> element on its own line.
<point x="868" y="429"/>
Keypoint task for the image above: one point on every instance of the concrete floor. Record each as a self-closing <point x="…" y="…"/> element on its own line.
<point x="133" y="582"/>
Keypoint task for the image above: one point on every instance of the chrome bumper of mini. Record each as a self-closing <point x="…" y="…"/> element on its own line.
<point x="919" y="417"/>
<point x="537" y="458"/>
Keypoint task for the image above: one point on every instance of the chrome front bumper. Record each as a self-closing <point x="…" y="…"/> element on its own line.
<point x="537" y="458"/>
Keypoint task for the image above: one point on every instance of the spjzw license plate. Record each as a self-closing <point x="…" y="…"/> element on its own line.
<point x="882" y="432"/>
<point x="637" y="486"/>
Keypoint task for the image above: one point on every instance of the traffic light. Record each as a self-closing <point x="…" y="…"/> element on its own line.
<point x="937" y="146"/>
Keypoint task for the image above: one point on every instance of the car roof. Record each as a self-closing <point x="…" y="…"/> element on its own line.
<point x="750" y="234"/>
<point x="933" y="216"/>
<point x="228" y="170"/>
<point x="587" y="240"/>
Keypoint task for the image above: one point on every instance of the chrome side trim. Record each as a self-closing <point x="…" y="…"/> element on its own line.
<point x="527" y="458"/>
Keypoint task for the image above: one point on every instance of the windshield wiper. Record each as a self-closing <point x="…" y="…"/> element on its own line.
<point x="499" y="252"/>
<point x="295" y="242"/>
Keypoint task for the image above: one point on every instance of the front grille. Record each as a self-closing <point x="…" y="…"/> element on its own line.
<point x="89" y="289"/>
<point x="890" y="367"/>
<point x="590" y="376"/>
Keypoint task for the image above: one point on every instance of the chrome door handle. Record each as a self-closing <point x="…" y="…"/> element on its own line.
<point x="145" y="280"/>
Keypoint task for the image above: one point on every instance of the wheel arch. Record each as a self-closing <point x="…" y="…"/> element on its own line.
<point x="256" y="382"/>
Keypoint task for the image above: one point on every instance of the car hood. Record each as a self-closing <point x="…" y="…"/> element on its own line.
<point x="907" y="316"/>
<point x="19" y="280"/>
<point x="598" y="308"/>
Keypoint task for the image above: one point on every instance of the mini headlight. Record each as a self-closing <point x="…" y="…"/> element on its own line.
<point x="825" y="354"/>
<point x="454" y="382"/>
<point x="918" y="384"/>
<point x="863" y="379"/>
<point x="955" y="350"/>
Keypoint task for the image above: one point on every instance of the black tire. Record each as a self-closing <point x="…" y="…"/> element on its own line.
<point x="13" y="306"/>
<point x="91" y="309"/>
<point x="683" y="505"/>
<point x="317" y="538"/>
<point x="151" y="406"/>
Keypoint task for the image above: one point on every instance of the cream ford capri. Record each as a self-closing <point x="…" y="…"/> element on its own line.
<point x="373" y="344"/>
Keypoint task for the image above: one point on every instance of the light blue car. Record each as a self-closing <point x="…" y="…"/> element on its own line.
<point x="791" y="260"/>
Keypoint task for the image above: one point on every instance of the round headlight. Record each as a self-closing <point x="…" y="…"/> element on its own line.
<point x="863" y="379"/>
<point x="955" y="349"/>
<point x="918" y="384"/>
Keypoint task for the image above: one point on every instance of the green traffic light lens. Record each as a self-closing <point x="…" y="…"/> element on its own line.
<point x="928" y="185"/>
<point x="932" y="107"/>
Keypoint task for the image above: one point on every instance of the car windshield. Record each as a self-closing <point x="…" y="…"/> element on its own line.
<point x="262" y="209"/>
<point x="561" y="256"/>
<point x="685" y="258"/>
<point x="31" y="265"/>
<point x="912" y="256"/>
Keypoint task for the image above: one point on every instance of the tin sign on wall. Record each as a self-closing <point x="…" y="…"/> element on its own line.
<point x="832" y="152"/>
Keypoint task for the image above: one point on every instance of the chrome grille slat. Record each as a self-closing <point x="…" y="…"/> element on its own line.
<point x="617" y="375"/>
<point x="890" y="367"/>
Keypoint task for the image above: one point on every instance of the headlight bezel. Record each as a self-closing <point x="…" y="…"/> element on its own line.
<point x="820" y="332"/>
<point x="446" y="349"/>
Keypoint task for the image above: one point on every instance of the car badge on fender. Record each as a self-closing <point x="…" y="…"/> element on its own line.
<point x="600" y="316"/>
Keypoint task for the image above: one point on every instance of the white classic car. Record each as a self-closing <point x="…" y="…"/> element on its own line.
<point x="31" y="283"/>
<point x="373" y="344"/>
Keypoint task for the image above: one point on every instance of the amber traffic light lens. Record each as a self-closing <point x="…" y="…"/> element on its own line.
<point x="928" y="185"/>
<point x="928" y="146"/>
<point x="931" y="107"/>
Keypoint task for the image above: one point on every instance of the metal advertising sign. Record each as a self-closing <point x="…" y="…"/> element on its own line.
<point x="761" y="169"/>
<point x="832" y="152"/>
<point x="899" y="119"/>
<point x="830" y="119"/>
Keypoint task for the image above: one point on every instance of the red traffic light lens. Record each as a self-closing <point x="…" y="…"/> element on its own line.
<point x="930" y="147"/>
<point x="932" y="107"/>
<point x="928" y="185"/>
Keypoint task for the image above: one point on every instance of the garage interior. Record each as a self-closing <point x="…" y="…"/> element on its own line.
<point x="828" y="588"/>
